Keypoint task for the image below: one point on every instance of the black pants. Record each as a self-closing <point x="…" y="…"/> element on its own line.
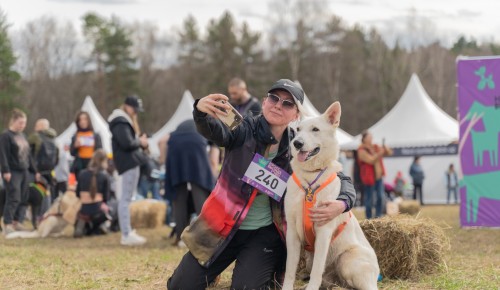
<point x="258" y="253"/>
<point x="417" y="187"/>
<point x="92" y="216"/>
<point x="16" y="197"/>
<point x="61" y="188"/>
<point x="181" y="204"/>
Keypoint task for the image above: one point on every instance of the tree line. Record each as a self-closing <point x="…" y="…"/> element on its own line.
<point x="47" y="68"/>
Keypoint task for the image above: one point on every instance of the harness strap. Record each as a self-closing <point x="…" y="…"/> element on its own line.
<point x="308" y="203"/>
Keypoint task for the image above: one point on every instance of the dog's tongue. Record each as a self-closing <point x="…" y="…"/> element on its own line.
<point x="302" y="156"/>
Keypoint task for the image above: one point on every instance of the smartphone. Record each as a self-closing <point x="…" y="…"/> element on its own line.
<point x="233" y="118"/>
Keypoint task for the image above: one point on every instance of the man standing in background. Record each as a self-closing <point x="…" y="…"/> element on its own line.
<point x="241" y="99"/>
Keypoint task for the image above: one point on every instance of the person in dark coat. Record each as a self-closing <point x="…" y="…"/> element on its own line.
<point x="417" y="174"/>
<point x="127" y="157"/>
<point x="188" y="173"/>
<point x="15" y="163"/>
<point x="240" y="98"/>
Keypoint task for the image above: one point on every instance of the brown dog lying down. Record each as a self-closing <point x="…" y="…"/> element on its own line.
<point x="62" y="212"/>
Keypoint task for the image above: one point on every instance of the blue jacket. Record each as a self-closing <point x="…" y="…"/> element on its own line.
<point x="417" y="173"/>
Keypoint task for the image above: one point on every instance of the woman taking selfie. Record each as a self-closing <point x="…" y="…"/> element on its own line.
<point x="238" y="222"/>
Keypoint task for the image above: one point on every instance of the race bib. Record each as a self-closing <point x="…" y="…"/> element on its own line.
<point x="267" y="177"/>
<point x="87" y="141"/>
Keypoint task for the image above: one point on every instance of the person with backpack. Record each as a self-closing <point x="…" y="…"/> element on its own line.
<point x="127" y="157"/>
<point x="15" y="163"/>
<point x="372" y="171"/>
<point x="84" y="142"/>
<point x="45" y="153"/>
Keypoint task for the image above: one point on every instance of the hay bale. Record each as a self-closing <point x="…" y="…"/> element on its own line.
<point x="411" y="207"/>
<point x="406" y="247"/>
<point x="147" y="213"/>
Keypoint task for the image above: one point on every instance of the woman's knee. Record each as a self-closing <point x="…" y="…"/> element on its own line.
<point x="188" y="275"/>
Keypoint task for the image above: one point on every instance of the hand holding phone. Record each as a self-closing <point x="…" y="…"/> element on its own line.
<point x="233" y="117"/>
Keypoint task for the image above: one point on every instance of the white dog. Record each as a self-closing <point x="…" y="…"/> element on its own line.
<point x="340" y="246"/>
<point x="61" y="213"/>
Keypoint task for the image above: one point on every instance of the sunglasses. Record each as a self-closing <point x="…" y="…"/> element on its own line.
<point x="286" y="104"/>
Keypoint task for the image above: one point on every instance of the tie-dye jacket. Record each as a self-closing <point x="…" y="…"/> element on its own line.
<point x="227" y="206"/>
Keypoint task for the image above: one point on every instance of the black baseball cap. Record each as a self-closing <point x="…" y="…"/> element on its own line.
<point x="292" y="88"/>
<point x="135" y="103"/>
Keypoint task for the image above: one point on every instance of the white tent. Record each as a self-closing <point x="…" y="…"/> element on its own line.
<point x="98" y="122"/>
<point x="184" y="112"/>
<point x="416" y="122"/>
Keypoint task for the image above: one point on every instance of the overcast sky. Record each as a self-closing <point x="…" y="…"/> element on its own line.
<point x="443" y="19"/>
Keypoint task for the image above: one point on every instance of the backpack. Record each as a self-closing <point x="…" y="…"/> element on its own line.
<point x="46" y="159"/>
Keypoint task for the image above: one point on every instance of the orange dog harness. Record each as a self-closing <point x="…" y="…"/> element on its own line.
<point x="309" y="202"/>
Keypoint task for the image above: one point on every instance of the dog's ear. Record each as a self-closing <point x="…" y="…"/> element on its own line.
<point x="333" y="113"/>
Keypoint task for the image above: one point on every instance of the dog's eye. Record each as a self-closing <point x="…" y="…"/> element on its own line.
<point x="315" y="129"/>
<point x="298" y="129"/>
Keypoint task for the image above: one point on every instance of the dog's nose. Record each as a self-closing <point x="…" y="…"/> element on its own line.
<point x="298" y="144"/>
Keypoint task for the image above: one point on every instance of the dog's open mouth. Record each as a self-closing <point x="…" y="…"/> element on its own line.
<point x="306" y="155"/>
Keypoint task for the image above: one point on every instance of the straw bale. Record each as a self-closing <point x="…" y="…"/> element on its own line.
<point x="406" y="247"/>
<point x="147" y="213"/>
<point x="411" y="207"/>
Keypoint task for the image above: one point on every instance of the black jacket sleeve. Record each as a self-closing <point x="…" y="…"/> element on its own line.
<point x="124" y="138"/>
<point x="72" y="149"/>
<point x="347" y="191"/>
<point x="97" y="141"/>
<point x="215" y="131"/>
<point x="32" y="167"/>
<point x="4" y="152"/>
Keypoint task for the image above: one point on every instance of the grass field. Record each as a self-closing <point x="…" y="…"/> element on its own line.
<point x="101" y="263"/>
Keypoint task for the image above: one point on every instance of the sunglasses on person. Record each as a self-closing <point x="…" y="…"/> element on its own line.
<point x="286" y="104"/>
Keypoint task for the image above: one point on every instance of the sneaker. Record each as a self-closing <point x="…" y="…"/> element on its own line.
<point x="133" y="239"/>
<point x="104" y="227"/>
<point x="8" y="229"/>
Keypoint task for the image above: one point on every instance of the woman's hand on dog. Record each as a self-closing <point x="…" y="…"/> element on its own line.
<point x="326" y="211"/>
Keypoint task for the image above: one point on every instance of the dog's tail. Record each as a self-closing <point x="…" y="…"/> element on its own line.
<point x="23" y="235"/>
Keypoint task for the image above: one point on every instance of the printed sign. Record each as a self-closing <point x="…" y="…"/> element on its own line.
<point x="451" y="149"/>
<point x="479" y="116"/>
<point x="267" y="177"/>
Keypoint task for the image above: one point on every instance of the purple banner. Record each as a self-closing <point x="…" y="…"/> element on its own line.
<point x="479" y="115"/>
